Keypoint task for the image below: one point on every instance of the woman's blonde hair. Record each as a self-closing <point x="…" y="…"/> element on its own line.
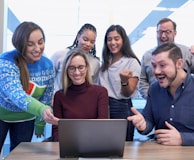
<point x="65" y="80"/>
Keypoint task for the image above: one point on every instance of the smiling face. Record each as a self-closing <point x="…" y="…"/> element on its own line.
<point x="86" y="40"/>
<point x="164" y="69"/>
<point x="114" y="42"/>
<point x="35" y="47"/>
<point x="165" y="33"/>
<point x="77" y="70"/>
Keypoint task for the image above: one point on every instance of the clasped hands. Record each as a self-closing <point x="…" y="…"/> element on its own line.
<point x="170" y="136"/>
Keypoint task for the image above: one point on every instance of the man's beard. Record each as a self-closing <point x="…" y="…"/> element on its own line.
<point x="171" y="79"/>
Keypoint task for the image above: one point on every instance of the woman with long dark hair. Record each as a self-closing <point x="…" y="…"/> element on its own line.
<point x="119" y="74"/>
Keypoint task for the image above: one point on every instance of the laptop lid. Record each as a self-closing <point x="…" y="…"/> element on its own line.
<point x="92" y="137"/>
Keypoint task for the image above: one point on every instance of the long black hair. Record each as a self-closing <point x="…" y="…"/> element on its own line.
<point x="126" y="49"/>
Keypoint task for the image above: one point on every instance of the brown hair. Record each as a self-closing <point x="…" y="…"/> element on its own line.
<point x="174" y="51"/>
<point x="19" y="41"/>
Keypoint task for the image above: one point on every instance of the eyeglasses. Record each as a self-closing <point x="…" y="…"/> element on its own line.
<point x="80" y="68"/>
<point x="167" y="32"/>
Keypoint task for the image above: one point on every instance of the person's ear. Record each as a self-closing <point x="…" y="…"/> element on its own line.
<point x="175" y="33"/>
<point x="179" y="63"/>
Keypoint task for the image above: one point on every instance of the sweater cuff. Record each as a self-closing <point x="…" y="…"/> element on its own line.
<point x="39" y="126"/>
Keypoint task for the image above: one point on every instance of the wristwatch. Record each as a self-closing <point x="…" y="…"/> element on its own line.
<point x="124" y="83"/>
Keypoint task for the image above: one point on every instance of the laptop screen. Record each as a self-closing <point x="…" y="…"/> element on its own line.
<point x="92" y="137"/>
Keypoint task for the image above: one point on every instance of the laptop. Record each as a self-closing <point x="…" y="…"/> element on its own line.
<point x="89" y="138"/>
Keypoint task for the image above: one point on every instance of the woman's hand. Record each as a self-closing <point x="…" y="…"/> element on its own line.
<point x="49" y="117"/>
<point x="125" y="75"/>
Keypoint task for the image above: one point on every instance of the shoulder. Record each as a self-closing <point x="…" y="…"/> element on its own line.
<point x="7" y="60"/>
<point x="92" y="58"/>
<point x="189" y="77"/>
<point x="130" y="61"/>
<point x="43" y="64"/>
<point x="148" y="53"/>
<point x="58" y="94"/>
<point x="98" y="88"/>
<point x="46" y="60"/>
<point x="184" y="49"/>
<point x="59" y="54"/>
<point x="181" y="46"/>
<point x="9" y="55"/>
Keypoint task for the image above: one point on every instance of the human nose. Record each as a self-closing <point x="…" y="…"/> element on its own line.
<point x="163" y="34"/>
<point x="156" y="70"/>
<point x="89" y="44"/>
<point x="112" y="41"/>
<point x="36" y="47"/>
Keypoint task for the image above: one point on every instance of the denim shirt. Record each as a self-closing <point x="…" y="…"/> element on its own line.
<point x="161" y="106"/>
